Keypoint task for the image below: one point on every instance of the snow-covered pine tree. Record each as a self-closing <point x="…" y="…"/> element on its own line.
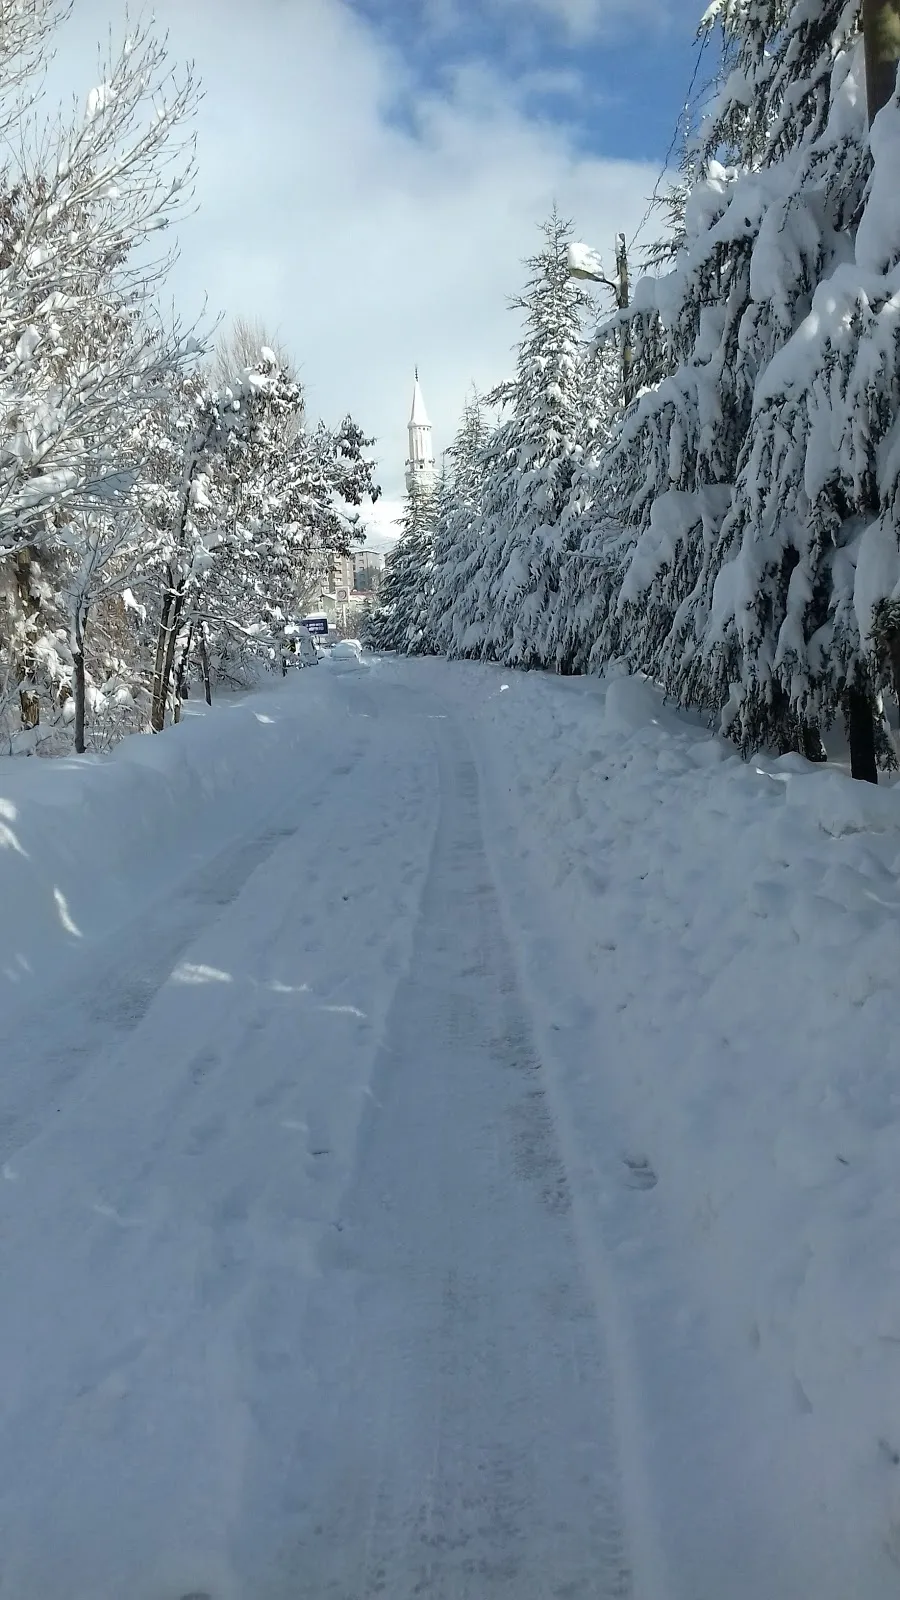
<point x="524" y="537"/>
<point x="779" y="172"/>
<point x="806" y="570"/>
<point x="588" y="578"/>
<point x="456" y="530"/>
<point x="663" y="486"/>
<point x="399" y="619"/>
<point x="473" y="619"/>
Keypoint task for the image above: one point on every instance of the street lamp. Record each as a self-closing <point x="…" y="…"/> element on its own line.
<point x="585" y="262"/>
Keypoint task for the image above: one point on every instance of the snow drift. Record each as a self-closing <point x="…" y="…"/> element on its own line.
<point x="86" y="840"/>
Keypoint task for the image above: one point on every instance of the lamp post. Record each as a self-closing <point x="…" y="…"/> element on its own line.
<point x="584" y="262"/>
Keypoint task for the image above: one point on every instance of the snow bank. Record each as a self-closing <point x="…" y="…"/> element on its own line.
<point x="86" y="840"/>
<point x="738" y="928"/>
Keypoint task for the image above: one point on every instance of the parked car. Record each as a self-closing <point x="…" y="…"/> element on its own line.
<point x="346" y="656"/>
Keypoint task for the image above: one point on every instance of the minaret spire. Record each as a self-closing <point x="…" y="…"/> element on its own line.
<point x="420" y="469"/>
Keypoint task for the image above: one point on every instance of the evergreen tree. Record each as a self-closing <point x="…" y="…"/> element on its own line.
<point x="400" y="618"/>
<point x="523" y="536"/>
<point x="588" y="579"/>
<point x="742" y="514"/>
<point x="456" y="547"/>
<point x="803" y="575"/>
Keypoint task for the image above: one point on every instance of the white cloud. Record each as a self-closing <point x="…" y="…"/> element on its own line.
<point x="586" y="17"/>
<point x="382" y="523"/>
<point x="580" y="19"/>
<point x="366" y="247"/>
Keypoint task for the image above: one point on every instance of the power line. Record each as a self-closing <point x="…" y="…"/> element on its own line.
<point x="703" y="40"/>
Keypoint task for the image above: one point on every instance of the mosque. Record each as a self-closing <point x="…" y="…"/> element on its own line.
<point x="420" y="469"/>
<point x="348" y="582"/>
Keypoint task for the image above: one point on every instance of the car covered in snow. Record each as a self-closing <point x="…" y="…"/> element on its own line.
<point x="346" y="656"/>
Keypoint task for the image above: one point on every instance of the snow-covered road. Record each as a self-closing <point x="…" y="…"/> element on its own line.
<point x="329" y="1263"/>
<point x="293" y="1302"/>
<point x="464" y="1446"/>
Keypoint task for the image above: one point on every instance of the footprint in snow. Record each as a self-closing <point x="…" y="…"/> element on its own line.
<point x="639" y="1173"/>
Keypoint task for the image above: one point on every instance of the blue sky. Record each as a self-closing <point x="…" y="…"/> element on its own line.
<point x="616" y="78"/>
<point x="371" y="173"/>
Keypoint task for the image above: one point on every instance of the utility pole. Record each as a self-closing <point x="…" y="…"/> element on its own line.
<point x="583" y="262"/>
<point x="623" y="301"/>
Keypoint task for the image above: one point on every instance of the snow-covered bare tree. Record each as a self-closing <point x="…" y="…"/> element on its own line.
<point x="245" y="501"/>
<point x="238" y="348"/>
<point x="206" y="448"/>
<point x="295" y="498"/>
<point x="82" y="196"/>
<point x="105" y="551"/>
<point x="79" y="352"/>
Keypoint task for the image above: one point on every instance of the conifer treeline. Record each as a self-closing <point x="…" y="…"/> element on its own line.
<point x="733" y="532"/>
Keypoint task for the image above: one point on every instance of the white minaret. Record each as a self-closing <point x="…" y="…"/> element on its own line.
<point x="420" y="466"/>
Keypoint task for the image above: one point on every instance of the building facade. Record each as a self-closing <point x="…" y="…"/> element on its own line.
<point x="368" y="571"/>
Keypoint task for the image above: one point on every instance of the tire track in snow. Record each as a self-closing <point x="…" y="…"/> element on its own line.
<point x="452" y="1435"/>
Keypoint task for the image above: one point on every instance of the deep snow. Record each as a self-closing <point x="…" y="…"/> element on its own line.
<point x="449" y="1137"/>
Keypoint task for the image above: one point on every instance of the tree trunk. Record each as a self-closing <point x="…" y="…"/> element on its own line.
<point x="811" y="745"/>
<point x="204" y="661"/>
<point x="170" y="615"/>
<point x="158" y="701"/>
<point x="29" y="707"/>
<point x="181" y="693"/>
<point x="170" y="618"/>
<point x="29" y="701"/>
<point x="80" y="687"/>
<point x="861" y="729"/>
<point x="893" y="648"/>
<point x="881" y="32"/>
<point x="172" y="641"/>
<point x="881" y="37"/>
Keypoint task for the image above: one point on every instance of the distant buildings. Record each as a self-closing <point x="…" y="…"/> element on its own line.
<point x="344" y="584"/>
<point x="368" y="571"/>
